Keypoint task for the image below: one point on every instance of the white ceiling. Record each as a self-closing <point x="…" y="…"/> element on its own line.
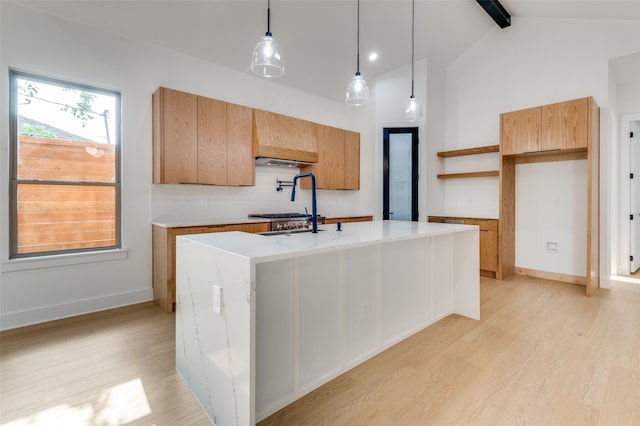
<point x="317" y="38"/>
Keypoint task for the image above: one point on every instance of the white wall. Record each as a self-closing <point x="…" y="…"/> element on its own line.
<point x="534" y="62"/>
<point x="32" y="292"/>
<point x="392" y="91"/>
<point x="629" y="97"/>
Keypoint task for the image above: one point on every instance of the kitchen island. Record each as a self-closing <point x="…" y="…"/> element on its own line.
<point x="263" y="320"/>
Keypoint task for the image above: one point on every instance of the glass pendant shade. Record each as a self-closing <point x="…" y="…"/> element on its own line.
<point x="358" y="91"/>
<point x="412" y="109"/>
<point x="267" y="61"/>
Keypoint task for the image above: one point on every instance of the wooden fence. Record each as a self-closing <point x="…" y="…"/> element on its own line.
<point x="63" y="217"/>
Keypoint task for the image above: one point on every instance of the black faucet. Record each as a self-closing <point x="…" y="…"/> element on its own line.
<point x="314" y="212"/>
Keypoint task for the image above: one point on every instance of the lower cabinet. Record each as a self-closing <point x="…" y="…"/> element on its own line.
<point x="488" y="240"/>
<point x="164" y="256"/>
<point x="348" y="219"/>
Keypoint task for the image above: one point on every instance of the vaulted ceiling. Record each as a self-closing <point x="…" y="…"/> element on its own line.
<point x="317" y="37"/>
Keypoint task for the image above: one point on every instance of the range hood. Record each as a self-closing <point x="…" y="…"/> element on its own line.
<point x="282" y="140"/>
<point x="268" y="161"/>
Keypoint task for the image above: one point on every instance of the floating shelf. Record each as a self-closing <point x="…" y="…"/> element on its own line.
<point x="470" y="151"/>
<point x="468" y="174"/>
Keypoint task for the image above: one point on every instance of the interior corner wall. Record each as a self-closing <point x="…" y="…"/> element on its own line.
<point x="435" y="136"/>
<point x="610" y="239"/>
<point x="73" y="52"/>
<point x="533" y="62"/>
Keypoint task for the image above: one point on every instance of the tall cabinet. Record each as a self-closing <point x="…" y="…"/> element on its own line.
<point x="562" y="131"/>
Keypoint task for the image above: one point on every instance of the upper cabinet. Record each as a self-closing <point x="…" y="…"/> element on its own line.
<point x="338" y="165"/>
<point x="560" y="126"/>
<point x="520" y="131"/>
<point x="175" y="137"/>
<point x="283" y="137"/>
<point x="201" y="140"/>
<point x="351" y="160"/>
<point x="565" y="125"/>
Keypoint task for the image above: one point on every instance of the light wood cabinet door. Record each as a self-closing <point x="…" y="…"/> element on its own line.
<point x="241" y="169"/>
<point x="330" y="158"/>
<point x="488" y="243"/>
<point x="225" y="154"/>
<point x="489" y="257"/>
<point x="520" y="131"/>
<point x="338" y="165"/>
<point x="212" y="141"/>
<point x="175" y="133"/>
<point x="565" y="125"/>
<point x="351" y="160"/>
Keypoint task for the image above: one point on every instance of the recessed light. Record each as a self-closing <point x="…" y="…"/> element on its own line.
<point x="373" y="56"/>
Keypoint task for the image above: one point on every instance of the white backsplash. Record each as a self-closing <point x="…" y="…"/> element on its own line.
<point x="186" y="202"/>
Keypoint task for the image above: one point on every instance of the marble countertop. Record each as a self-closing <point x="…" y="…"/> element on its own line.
<point x="263" y="248"/>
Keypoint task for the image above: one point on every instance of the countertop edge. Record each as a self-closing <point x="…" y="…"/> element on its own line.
<point x="274" y="251"/>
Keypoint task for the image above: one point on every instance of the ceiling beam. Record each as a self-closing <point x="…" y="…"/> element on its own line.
<point x="497" y="12"/>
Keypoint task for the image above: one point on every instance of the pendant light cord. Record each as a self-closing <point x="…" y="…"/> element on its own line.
<point x="268" y="17"/>
<point x="358" y="42"/>
<point x="413" y="34"/>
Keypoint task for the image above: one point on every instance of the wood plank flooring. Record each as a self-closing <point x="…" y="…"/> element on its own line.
<point x="543" y="354"/>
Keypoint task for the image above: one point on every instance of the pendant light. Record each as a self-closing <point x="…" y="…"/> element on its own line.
<point x="412" y="108"/>
<point x="358" y="92"/>
<point x="267" y="61"/>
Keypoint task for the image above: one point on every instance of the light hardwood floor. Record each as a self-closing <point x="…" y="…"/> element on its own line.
<point x="543" y="353"/>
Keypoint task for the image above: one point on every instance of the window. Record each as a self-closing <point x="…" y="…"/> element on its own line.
<point x="65" y="167"/>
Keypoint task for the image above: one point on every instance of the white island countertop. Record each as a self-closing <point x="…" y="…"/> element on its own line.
<point x="262" y="320"/>
<point x="266" y="248"/>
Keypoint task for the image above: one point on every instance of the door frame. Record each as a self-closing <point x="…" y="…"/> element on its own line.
<point x="415" y="177"/>
<point x="624" y="247"/>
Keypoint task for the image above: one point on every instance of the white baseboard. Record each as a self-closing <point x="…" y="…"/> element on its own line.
<point x="617" y="279"/>
<point x="42" y="314"/>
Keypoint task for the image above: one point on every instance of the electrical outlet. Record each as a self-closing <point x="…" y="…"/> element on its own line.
<point x="203" y="201"/>
<point x="217" y="299"/>
<point x="552" y="247"/>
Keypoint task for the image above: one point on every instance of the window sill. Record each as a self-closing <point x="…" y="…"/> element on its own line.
<point x="55" y="261"/>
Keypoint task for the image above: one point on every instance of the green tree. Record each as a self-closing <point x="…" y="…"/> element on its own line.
<point x="37" y="131"/>
<point x="82" y="109"/>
